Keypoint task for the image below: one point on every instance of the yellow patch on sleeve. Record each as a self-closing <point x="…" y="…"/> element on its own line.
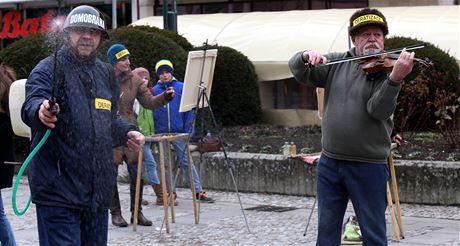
<point x="103" y="104"/>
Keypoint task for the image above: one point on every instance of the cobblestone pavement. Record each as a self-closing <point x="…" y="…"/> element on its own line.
<point x="222" y="223"/>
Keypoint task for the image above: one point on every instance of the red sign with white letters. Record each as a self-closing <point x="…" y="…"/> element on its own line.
<point x="12" y="28"/>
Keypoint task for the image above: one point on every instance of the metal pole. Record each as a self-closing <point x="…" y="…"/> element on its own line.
<point x="114" y="14"/>
<point x="165" y="14"/>
<point x="134" y="7"/>
<point x="173" y="26"/>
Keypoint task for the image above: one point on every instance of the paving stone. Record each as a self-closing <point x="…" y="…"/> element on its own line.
<point x="222" y="223"/>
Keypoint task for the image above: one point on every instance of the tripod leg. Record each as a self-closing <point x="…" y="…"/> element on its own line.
<point x="163" y="181"/>
<point x="138" y="187"/>
<point x="396" y="194"/>
<point x="171" y="181"/>
<point x="309" y="217"/>
<point x="226" y="159"/>
<point x="174" y="185"/>
<point x="192" y="183"/>
<point x="392" y="213"/>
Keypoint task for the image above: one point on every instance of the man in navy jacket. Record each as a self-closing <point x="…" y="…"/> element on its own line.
<point x="72" y="176"/>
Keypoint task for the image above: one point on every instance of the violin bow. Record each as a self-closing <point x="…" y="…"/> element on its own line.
<point x="410" y="47"/>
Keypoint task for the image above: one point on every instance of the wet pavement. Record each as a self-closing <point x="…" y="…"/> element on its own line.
<point x="222" y="223"/>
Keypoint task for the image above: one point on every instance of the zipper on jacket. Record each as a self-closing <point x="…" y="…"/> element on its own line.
<point x="59" y="166"/>
<point x="169" y="119"/>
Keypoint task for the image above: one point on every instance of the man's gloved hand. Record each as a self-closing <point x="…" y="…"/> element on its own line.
<point x="169" y="94"/>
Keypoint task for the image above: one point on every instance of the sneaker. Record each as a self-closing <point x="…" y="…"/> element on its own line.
<point x="352" y="232"/>
<point x="203" y="196"/>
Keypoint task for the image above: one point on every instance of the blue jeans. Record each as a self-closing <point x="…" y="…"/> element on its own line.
<point x="181" y="152"/>
<point x="6" y="232"/>
<point x="363" y="183"/>
<point x="150" y="164"/>
<point x="65" y="226"/>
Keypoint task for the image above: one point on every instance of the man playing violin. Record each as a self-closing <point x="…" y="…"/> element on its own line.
<point x="356" y="129"/>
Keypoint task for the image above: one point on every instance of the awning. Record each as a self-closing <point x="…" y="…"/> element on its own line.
<point x="269" y="39"/>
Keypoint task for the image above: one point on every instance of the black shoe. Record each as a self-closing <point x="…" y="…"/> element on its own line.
<point x="117" y="220"/>
<point x="141" y="220"/>
<point x="203" y="196"/>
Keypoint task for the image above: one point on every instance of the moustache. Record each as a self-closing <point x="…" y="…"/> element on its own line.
<point x="376" y="48"/>
<point x="372" y="46"/>
<point x="85" y="43"/>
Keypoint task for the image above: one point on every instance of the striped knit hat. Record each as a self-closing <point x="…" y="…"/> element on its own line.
<point x="164" y="65"/>
<point x="116" y="52"/>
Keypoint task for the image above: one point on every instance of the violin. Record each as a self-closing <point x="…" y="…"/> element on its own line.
<point x="385" y="62"/>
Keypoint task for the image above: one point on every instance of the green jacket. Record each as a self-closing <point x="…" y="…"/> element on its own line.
<point x="145" y="121"/>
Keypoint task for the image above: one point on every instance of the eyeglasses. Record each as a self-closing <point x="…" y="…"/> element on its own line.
<point x="81" y="30"/>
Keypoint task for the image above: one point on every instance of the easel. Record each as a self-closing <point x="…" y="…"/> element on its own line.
<point x="203" y="100"/>
<point x="166" y="139"/>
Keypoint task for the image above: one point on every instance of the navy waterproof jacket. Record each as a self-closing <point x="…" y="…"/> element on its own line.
<point x="74" y="168"/>
<point x="168" y="119"/>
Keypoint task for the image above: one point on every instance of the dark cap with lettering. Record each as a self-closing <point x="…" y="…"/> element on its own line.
<point x="367" y="17"/>
<point x="87" y="17"/>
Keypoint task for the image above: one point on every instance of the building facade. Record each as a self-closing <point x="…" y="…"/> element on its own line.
<point x="284" y="101"/>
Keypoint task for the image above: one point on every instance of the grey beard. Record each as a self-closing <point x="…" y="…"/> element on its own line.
<point x="82" y="58"/>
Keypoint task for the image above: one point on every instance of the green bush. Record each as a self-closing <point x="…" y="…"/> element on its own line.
<point x="235" y="90"/>
<point x="180" y="40"/>
<point x="146" y="49"/>
<point x="426" y="89"/>
<point x="443" y="62"/>
<point x="25" y="53"/>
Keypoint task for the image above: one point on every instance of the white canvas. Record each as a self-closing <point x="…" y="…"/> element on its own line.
<point x="200" y="68"/>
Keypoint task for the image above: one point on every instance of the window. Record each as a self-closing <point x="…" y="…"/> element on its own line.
<point x="287" y="94"/>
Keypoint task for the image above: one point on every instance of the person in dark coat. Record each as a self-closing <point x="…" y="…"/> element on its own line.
<point x="72" y="176"/>
<point x="6" y="152"/>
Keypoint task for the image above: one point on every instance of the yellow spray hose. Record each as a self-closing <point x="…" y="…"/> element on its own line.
<point x="18" y="177"/>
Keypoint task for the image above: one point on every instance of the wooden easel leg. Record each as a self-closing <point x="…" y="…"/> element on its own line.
<point x="392" y="214"/>
<point x="171" y="181"/>
<point x="138" y="187"/>
<point x="163" y="186"/>
<point x="192" y="184"/>
<point x="394" y="183"/>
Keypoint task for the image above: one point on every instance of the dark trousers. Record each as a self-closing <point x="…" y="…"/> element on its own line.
<point x="365" y="185"/>
<point x="64" y="226"/>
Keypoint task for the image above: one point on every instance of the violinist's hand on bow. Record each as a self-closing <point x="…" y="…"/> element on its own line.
<point x="403" y="66"/>
<point x="313" y="57"/>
